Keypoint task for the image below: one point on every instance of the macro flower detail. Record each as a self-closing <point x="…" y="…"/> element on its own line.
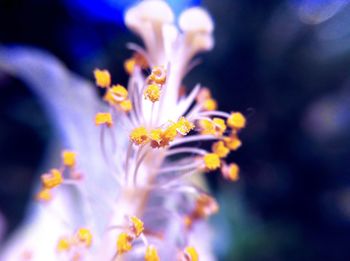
<point x="136" y="201"/>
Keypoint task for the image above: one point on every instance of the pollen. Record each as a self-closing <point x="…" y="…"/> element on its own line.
<point x="137" y="226"/>
<point x="126" y="105"/>
<point x="116" y="94"/>
<point x="52" y="179"/>
<point x="231" y="172"/>
<point x="156" y="137"/>
<point x="44" y="195"/>
<point x="210" y="104"/>
<point x="139" y="136"/>
<point x="184" y="126"/>
<point x="124" y="243"/>
<point x="84" y="236"/>
<point x="102" y="118"/>
<point x="207" y="127"/>
<point x="211" y="161"/>
<point x="220" y="126"/>
<point x="220" y="149"/>
<point x="236" y="121"/>
<point x="169" y="135"/>
<point x="232" y="142"/>
<point x="129" y="65"/>
<point x="191" y="253"/>
<point x="151" y="254"/>
<point x="64" y="244"/>
<point x="69" y="158"/>
<point x="158" y="75"/>
<point x="152" y="92"/>
<point x="103" y="78"/>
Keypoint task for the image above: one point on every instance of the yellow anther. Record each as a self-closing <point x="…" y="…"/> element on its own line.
<point x="231" y="172"/>
<point x="210" y="104"/>
<point x="232" y="142"/>
<point x="84" y="236"/>
<point x="69" y="158"/>
<point x="220" y="149"/>
<point x="236" y="121"/>
<point x="191" y="254"/>
<point x="103" y="78"/>
<point x="44" y="195"/>
<point x="116" y="94"/>
<point x="151" y="254"/>
<point x="156" y="137"/>
<point x="168" y="135"/>
<point x="126" y="105"/>
<point x="184" y="126"/>
<point x="207" y="127"/>
<point x="102" y="118"/>
<point x="64" y="244"/>
<point x="137" y="226"/>
<point x="158" y="75"/>
<point x="139" y="136"/>
<point x="52" y="179"/>
<point x="124" y="243"/>
<point x="152" y="92"/>
<point x="129" y="65"/>
<point x="211" y="161"/>
<point x="220" y="126"/>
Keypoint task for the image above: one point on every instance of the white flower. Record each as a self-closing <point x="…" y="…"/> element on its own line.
<point x="123" y="189"/>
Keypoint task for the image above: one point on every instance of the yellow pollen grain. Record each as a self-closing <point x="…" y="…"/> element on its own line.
<point x="129" y="65"/>
<point x="220" y="149"/>
<point x="152" y="92"/>
<point x="52" y="179"/>
<point x="102" y="78"/>
<point x="184" y="126"/>
<point x="44" y="195"/>
<point x="84" y="236"/>
<point x="119" y="91"/>
<point x="137" y="225"/>
<point x="191" y="253"/>
<point x="151" y="254"/>
<point x="158" y="75"/>
<point x="207" y="127"/>
<point x="236" y="121"/>
<point x="69" y="158"/>
<point x="64" y="244"/>
<point x="211" y="161"/>
<point x="168" y="135"/>
<point x="139" y="136"/>
<point x="210" y="104"/>
<point x="233" y="172"/>
<point x="102" y="118"/>
<point x="124" y="243"/>
<point x="156" y="137"/>
<point x="232" y="142"/>
<point x="220" y="126"/>
<point x="126" y="105"/>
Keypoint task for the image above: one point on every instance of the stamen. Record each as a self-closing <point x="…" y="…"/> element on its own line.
<point x="104" y="119"/>
<point x="52" y="179"/>
<point x="152" y="92"/>
<point x="236" y="121"/>
<point x="232" y="142"/>
<point x="211" y="161"/>
<point x="230" y="172"/>
<point x="219" y="149"/>
<point x="137" y="226"/>
<point x="151" y="254"/>
<point x="193" y="138"/>
<point x="139" y="136"/>
<point x="191" y="254"/>
<point x="84" y="236"/>
<point x="103" y="78"/>
<point x="68" y="158"/>
<point x="124" y="243"/>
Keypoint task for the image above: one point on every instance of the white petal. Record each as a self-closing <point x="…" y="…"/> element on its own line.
<point x="196" y="19"/>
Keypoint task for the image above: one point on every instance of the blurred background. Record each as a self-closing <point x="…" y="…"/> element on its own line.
<point x="284" y="64"/>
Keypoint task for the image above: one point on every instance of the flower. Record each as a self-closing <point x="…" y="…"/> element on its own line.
<point x="139" y="150"/>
